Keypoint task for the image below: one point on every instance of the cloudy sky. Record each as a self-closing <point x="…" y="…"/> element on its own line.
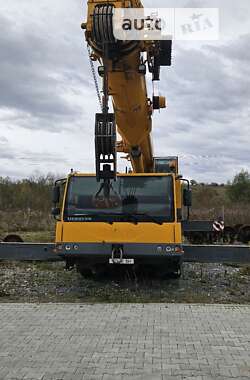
<point x="48" y="100"/>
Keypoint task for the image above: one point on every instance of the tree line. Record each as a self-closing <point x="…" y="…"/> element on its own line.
<point x="34" y="193"/>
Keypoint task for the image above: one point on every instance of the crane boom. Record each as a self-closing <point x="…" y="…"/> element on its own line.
<point x="123" y="70"/>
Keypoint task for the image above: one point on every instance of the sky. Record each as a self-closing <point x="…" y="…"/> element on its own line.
<point x="48" y="100"/>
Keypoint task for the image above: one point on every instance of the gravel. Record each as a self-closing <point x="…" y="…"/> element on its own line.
<point x="50" y="282"/>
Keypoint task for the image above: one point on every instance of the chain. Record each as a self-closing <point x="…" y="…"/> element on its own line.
<point x="92" y="66"/>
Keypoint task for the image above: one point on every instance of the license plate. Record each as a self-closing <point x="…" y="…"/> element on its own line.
<point x="122" y="261"/>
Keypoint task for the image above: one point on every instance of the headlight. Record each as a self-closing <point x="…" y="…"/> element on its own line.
<point x="159" y="249"/>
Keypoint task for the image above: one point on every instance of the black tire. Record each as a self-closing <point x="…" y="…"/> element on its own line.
<point x="178" y="271"/>
<point x="12" y="238"/>
<point x="244" y="235"/>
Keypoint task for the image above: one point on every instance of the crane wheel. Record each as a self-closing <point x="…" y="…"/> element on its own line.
<point x="244" y="235"/>
<point x="12" y="238"/>
<point x="229" y="235"/>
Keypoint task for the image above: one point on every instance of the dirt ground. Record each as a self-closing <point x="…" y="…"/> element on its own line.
<point x="50" y="282"/>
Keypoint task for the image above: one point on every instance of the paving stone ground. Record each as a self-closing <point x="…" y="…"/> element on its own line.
<point x="124" y="341"/>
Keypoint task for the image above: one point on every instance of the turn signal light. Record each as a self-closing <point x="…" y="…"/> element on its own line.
<point x="179" y="250"/>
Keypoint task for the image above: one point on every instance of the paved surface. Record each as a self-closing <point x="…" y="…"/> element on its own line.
<point x="113" y="342"/>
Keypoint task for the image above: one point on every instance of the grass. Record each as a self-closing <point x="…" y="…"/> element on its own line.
<point x="245" y="271"/>
<point x="49" y="282"/>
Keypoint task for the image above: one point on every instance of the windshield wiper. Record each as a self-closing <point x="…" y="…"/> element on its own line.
<point x="135" y="216"/>
<point x="132" y="216"/>
<point x="150" y="217"/>
<point x="125" y="215"/>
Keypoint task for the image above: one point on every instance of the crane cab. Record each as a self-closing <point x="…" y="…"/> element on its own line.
<point x="137" y="224"/>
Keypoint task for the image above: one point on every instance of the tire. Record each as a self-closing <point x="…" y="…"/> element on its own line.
<point x="12" y="238"/>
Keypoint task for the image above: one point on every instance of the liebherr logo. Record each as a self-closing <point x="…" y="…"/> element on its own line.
<point x="166" y="23"/>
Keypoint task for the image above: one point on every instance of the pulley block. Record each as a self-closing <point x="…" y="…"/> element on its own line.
<point x="105" y="146"/>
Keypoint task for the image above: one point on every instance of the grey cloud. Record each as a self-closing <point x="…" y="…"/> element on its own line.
<point x="208" y="111"/>
<point x="41" y="157"/>
<point x="11" y="154"/>
<point x="237" y="50"/>
<point x="3" y="140"/>
<point x="6" y="155"/>
<point x="34" y="75"/>
<point x="203" y="84"/>
<point x="205" y="88"/>
<point x="208" y="91"/>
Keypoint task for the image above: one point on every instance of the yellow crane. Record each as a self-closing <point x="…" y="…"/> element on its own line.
<point x="134" y="218"/>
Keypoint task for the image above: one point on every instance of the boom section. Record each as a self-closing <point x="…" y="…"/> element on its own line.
<point x="123" y="68"/>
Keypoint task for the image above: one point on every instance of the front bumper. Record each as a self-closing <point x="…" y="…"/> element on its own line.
<point x="103" y="252"/>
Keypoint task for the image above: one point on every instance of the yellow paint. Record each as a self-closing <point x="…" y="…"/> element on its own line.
<point x="118" y="233"/>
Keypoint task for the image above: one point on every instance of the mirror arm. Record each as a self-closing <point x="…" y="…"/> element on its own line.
<point x="57" y="185"/>
<point x="188" y="184"/>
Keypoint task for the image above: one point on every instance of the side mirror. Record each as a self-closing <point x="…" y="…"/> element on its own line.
<point x="56" y="194"/>
<point x="187" y="198"/>
<point x="55" y="211"/>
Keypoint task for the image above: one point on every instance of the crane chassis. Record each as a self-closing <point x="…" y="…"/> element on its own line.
<point x="136" y="218"/>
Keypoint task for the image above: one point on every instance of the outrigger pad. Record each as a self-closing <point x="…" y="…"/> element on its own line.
<point x="105" y="146"/>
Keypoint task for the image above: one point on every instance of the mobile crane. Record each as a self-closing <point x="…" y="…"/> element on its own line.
<point x="132" y="218"/>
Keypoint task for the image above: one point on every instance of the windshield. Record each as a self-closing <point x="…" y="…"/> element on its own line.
<point x="143" y="197"/>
